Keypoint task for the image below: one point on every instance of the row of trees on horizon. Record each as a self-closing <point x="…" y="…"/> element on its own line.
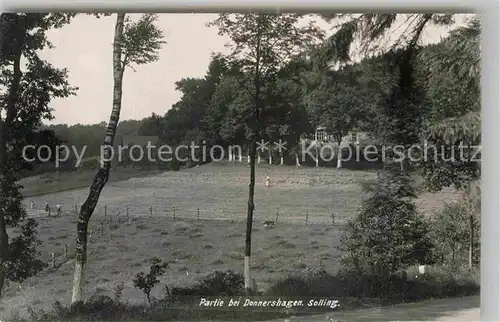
<point x="214" y="108"/>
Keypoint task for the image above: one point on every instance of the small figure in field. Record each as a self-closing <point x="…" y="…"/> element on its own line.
<point x="268" y="181"/>
<point x="58" y="207"/>
<point x="47" y="207"/>
<point x="32" y="205"/>
<point x="268" y="223"/>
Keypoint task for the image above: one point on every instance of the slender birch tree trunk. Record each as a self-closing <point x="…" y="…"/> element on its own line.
<point x="102" y="174"/>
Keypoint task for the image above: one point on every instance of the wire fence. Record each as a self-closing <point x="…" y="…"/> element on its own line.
<point x="97" y="231"/>
<point x="117" y="213"/>
<point x="106" y="219"/>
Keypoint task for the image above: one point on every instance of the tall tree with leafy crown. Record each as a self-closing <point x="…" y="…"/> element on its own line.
<point x="135" y="43"/>
<point x="260" y="45"/>
<point x="28" y="85"/>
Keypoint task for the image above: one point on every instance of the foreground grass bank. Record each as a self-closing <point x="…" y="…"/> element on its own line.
<point x="352" y="292"/>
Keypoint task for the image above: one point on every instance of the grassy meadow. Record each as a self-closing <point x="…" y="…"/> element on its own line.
<point x="196" y="247"/>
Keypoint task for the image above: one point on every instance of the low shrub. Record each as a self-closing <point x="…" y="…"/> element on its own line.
<point x="227" y="283"/>
<point x="146" y="282"/>
<point x="351" y="290"/>
<point x="400" y="287"/>
<point x="180" y="304"/>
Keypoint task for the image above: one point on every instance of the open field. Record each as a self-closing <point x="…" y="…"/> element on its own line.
<point x="220" y="191"/>
<point x="62" y="181"/>
<point x="197" y="247"/>
<point x="194" y="248"/>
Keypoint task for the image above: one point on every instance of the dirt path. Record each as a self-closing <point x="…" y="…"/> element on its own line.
<point x="453" y="309"/>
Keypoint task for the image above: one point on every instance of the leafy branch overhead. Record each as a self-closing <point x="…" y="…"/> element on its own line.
<point x="453" y="70"/>
<point x="141" y="41"/>
<point x="461" y="53"/>
<point x="370" y="32"/>
<point x="453" y="130"/>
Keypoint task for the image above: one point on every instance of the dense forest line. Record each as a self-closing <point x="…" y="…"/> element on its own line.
<point x="214" y="109"/>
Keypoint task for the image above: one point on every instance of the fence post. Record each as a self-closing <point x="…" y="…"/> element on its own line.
<point x="128" y="216"/>
<point x="49" y="212"/>
<point x="277" y="214"/>
<point x="53" y="259"/>
<point x="174" y="212"/>
<point x="307" y="217"/>
<point x="66" y="250"/>
<point x="76" y="209"/>
<point x="105" y="210"/>
<point x="198" y="213"/>
<point x="254" y="285"/>
<point x="110" y="222"/>
<point x="151" y="211"/>
<point x="90" y="235"/>
<point x="102" y="228"/>
<point x="333" y="219"/>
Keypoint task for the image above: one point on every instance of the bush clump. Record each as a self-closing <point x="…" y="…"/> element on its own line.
<point x="396" y="288"/>
<point x="219" y="283"/>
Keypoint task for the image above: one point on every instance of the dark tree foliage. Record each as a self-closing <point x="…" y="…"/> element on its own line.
<point x="24" y="257"/>
<point x="29" y="85"/>
<point x="388" y="235"/>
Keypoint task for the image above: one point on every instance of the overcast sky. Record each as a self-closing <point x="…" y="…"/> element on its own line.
<point x="84" y="48"/>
